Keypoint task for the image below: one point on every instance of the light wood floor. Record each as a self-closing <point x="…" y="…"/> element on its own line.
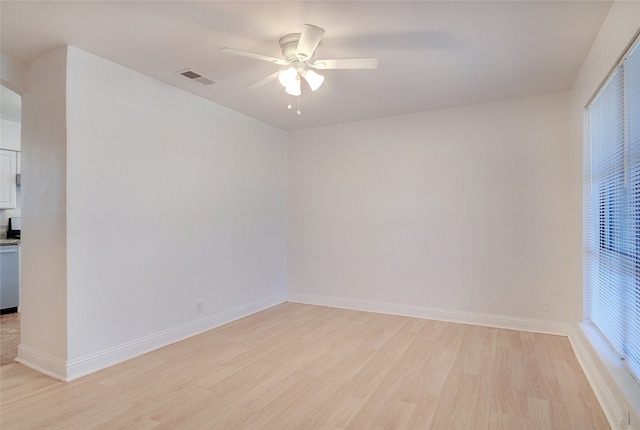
<point x="301" y="367"/>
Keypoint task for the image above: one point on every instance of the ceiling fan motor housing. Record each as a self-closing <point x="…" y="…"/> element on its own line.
<point x="289" y="45"/>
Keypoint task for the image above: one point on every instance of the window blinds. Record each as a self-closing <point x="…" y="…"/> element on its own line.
<point x="612" y="210"/>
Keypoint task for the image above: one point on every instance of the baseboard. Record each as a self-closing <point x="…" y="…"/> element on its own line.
<point x="612" y="390"/>
<point x="7" y="311"/>
<point x="472" y="318"/>
<point x="76" y="368"/>
<point x="43" y="363"/>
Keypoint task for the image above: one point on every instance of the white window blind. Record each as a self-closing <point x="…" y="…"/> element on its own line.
<point x="612" y="210"/>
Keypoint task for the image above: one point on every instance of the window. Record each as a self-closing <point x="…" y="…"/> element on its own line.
<point x="612" y="210"/>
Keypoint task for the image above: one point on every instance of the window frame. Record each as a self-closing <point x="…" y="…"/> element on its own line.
<point x="611" y="221"/>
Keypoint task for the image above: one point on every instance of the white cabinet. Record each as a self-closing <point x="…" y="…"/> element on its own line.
<point x="8" y="171"/>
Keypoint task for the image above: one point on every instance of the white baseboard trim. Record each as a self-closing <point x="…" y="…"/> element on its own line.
<point x="43" y="363"/>
<point x="78" y="367"/>
<point x="472" y="318"/>
<point x="612" y="390"/>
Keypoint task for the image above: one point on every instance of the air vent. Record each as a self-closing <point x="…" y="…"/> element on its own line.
<point x="190" y="74"/>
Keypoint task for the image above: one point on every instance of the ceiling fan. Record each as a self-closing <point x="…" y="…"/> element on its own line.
<point x="298" y="50"/>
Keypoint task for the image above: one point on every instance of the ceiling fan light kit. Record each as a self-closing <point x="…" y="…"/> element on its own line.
<point x="298" y="50"/>
<point x="314" y="79"/>
<point x="293" y="88"/>
<point x="289" y="77"/>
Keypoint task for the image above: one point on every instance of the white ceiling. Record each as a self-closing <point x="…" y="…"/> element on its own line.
<point x="433" y="54"/>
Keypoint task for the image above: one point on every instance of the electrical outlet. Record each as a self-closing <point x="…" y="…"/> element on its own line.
<point x="199" y="306"/>
<point x="544" y="305"/>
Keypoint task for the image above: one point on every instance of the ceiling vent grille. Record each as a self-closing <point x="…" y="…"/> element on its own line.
<point x="190" y="74"/>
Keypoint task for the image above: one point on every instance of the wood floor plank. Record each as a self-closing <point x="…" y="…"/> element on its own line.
<point x="482" y="412"/>
<point x="446" y="405"/>
<point x="466" y="402"/>
<point x="540" y="413"/>
<point x="560" y="414"/>
<point x="300" y="367"/>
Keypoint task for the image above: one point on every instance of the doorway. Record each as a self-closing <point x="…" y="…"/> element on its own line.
<point x="10" y="212"/>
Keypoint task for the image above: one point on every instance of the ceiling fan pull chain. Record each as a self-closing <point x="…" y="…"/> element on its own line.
<point x="289" y="105"/>
<point x="298" y="111"/>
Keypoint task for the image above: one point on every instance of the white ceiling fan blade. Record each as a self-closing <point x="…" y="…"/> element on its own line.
<point x="309" y="40"/>
<point x="346" y="63"/>
<point x="263" y="81"/>
<point x="274" y="60"/>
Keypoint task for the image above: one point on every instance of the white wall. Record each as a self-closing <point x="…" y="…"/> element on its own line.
<point x="43" y="278"/>
<point x="461" y="210"/>
<point x="14" y="74"/>
<point x="170" y="199"/>
<point x="612" y="383"/>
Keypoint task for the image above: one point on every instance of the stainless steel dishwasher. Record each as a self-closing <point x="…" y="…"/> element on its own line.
<point x="9" y="277"/>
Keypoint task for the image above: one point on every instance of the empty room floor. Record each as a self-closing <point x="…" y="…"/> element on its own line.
<point x="298" y="366"/>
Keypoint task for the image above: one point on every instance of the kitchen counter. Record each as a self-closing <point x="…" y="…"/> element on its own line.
<point x="6" y="242"/>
